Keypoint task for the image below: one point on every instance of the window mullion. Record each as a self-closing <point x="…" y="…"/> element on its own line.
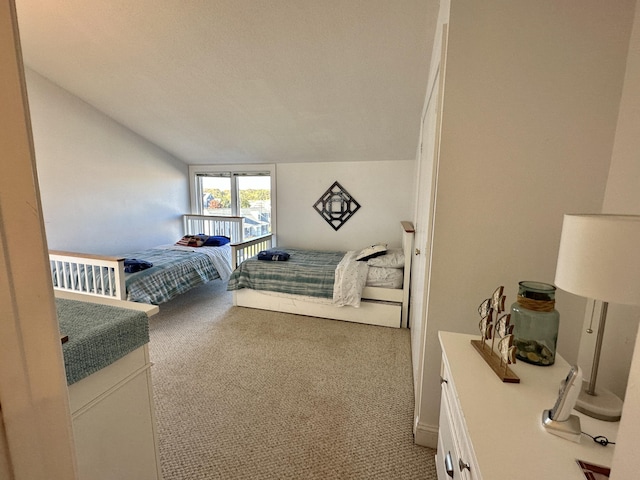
<point x="198" y="195"/>
<point x="235" y="197"/>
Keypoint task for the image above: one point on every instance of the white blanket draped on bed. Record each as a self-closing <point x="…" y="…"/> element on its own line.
<point x="351" y="277"/>
<point x="220" y="257"/>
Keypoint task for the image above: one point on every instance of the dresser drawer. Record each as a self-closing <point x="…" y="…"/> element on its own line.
<point x="449" y="457"/>
<point x="453" y="432"/>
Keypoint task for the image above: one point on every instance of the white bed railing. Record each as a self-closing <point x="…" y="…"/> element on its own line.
<point x="96" y="275"/>
<point x="242" y="250"/>
<point x="232" y="227"/>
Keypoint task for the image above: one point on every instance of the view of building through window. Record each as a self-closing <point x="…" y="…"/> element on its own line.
<point x="248" y="196"/>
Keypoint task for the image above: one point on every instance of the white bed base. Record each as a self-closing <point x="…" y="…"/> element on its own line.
<point x="66" y="265"/>
<point x="386" y="307"/>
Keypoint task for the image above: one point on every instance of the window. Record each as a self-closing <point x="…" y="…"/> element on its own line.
<point x="239" y="191"/>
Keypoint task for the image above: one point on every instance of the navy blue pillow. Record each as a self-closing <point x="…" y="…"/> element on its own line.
<point x="273" y="255"/>
<point x="133" y="265"/>
<point x="216" y="241"/>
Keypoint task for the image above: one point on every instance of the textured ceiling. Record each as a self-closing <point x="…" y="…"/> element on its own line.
<point x="244" y="81"/>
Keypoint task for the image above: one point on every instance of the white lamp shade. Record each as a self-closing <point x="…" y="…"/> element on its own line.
<point x="599" y="257"/>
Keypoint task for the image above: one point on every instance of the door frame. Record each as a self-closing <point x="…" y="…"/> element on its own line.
<point x="425" y="434"/>
<point x="36" y="442"/>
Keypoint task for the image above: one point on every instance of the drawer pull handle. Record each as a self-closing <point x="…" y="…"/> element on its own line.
<point x="443" y="380"/>
<point x="463" y="465"/>
<point x="448" y="464"/>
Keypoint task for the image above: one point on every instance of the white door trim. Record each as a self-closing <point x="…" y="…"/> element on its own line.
<point x="37" y="438"/>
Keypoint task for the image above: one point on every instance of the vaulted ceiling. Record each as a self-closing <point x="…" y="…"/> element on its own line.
<point x="244" y="81"/>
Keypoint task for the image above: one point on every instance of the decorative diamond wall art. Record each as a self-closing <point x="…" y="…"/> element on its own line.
<point x="336" y="206"/>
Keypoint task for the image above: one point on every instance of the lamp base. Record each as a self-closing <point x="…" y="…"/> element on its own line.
<point x="604" y="405"/>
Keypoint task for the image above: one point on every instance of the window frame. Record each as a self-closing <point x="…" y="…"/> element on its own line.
<point x="195" y="188"/>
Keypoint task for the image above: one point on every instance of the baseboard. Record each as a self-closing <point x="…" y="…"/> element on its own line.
<point x="426" y="435"/>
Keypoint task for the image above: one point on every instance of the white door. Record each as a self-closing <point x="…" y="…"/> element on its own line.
<point x="427" y="171"/>
<point x="422" y="225"/>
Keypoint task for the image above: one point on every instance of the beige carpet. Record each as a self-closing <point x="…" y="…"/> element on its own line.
<point x="242" y="393"/>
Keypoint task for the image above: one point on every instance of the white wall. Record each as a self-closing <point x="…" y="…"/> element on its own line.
<point x="104" y="189"/>
<point x="622" y="196"/>
<point x="531" y="103"/>
<point x="625" y="464"/>
<point x="384" y="191"/>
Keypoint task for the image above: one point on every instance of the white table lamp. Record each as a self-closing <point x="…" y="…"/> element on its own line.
<point x="599" y="258"/>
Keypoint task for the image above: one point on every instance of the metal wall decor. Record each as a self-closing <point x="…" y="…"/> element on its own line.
<point x="336" y="206"/>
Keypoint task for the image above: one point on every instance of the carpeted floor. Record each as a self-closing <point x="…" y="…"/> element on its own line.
<point x="243" y="393"/>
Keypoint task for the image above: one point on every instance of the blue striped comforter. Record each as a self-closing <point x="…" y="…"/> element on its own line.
<point x="307" y="272"/>
<point x="176" y="270"/>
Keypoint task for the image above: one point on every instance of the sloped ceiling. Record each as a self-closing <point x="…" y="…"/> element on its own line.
<point x="244" y="81"/>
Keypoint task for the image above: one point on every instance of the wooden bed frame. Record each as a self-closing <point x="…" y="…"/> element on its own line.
<point x="380" y="306"/>
<point x="63" y="262"/>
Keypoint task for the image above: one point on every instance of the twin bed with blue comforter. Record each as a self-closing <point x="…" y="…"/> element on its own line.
<point x="328" y="284"/>
<point x="174" y="268"/>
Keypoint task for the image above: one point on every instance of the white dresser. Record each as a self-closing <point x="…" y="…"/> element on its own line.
<point x="114" y="424"/>
<point x="492" y="430"/>
<point x="112" y="410"/>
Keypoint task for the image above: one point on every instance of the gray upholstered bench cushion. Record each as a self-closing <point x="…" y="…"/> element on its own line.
<point x="98" y="335"/>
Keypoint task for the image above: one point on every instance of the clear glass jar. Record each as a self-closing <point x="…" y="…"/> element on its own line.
<point x="536" y="322"/>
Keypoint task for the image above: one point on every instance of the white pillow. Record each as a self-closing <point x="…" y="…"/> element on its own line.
<point x="393" y="258"/>
<point x="371" y="252"/>
<point x="385" y="277"/>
